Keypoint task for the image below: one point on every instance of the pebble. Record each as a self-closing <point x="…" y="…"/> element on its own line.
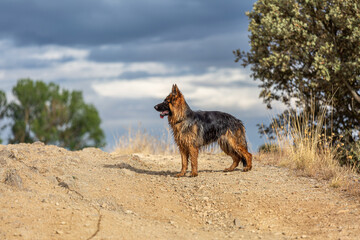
<point x="12" y="178"/>
<point x="129" y="212"/>
<point x="237" y="223"/>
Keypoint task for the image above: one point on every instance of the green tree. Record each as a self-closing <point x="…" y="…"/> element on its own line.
<point x="3" y="107"/>
<point x="44" y="112"/>
<point x="308" y="50"/>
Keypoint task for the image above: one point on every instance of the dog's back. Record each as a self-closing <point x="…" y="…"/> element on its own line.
<point x="214" y="124"/>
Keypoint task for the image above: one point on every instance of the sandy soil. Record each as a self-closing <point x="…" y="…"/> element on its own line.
<point x="48" y="192"/>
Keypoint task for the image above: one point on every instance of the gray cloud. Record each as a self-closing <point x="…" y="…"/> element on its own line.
<point x="213" y="50"/>
<point x="92" y="22"/>
<point x="82" y="43"/>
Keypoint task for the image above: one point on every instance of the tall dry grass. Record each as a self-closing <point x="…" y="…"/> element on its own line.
<point x="305" y="148"/>
<point x="141" y="141"/>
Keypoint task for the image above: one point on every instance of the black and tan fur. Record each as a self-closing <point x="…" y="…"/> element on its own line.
<point x="192" y="130"/>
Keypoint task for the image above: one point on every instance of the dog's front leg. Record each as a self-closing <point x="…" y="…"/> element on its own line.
<point x="184" y="161"/>
<point x="194" y="152"/>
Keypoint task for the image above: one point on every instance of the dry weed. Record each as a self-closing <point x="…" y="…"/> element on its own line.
<point x="305" y="148"/>
<point x="140" y="141"/>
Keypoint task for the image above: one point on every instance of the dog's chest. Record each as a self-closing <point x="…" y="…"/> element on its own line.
<point x="185" y="133"/>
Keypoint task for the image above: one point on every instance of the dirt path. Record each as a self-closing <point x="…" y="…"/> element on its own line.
<point x="49" y="193"/>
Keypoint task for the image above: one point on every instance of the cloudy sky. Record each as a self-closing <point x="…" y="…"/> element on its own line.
<point x="124" y="55"/>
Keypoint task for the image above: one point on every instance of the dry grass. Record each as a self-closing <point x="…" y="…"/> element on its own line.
<point x="311" y="153"/>
<point x="140" y="141"/>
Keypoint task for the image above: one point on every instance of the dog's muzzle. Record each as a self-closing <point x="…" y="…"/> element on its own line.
<point x="163" y="109"/>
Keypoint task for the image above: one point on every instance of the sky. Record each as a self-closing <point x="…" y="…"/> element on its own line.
<point x="125" y="55"/>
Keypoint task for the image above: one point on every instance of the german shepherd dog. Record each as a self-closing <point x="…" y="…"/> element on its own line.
<point x="193" y="130"/>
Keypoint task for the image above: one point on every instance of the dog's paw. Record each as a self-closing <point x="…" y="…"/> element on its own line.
<point x="193" y="174"/>
<point x="228" y="170"/>
<point x="180" y="175"/>
<point x="246" y="169"/>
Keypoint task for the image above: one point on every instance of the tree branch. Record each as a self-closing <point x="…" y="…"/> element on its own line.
<point x="353" y="92"/>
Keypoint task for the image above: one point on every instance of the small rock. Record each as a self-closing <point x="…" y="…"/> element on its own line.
<point x="63" y="184"/>
<point x="52" y="180"/>
<point x="59" y="232"/>
<point x="173" y="223"/>
<point x="38" y="143"/>
<point x="129" y="212"/>
<point x="12" y="178"/>
<point x="135" y="158"/>
<point x="237" y="223"/>
<point x="3" y="161"/>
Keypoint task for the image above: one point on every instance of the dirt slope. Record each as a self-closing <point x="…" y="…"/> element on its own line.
<point x="48" y="192"/>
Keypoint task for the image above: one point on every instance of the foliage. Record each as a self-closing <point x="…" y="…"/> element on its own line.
<point x="3" y="104"/>
<point x="44" y="112"/>
<point x="268" y="148"/>
<point x="308" y="50"/>
<point x="307" y="149"/>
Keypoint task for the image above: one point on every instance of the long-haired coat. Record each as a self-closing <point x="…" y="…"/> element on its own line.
<point x="194" y="129"/>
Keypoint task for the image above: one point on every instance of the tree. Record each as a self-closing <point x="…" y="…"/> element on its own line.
<point x="44" y="112"/>
<point x="308" y="50"/>
<point x="3" y="104"/>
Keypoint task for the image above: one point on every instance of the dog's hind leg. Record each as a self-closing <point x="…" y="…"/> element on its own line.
<point x="238" y="142"/>
<point x="236" y="160"/>
<point x="229" y="144"/>
<point x="246" y="157"/>
<point x="226" y="147"/>
<point x="184" y="161"/>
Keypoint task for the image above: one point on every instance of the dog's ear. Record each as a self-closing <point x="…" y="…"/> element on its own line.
<point x="175" y="90"/>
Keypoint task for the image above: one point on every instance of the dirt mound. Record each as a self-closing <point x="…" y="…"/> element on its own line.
<point x="48" y="192"/>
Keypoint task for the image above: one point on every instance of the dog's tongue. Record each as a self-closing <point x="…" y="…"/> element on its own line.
<point x="164" y="113"/>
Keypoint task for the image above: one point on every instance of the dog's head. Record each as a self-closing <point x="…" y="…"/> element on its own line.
<point x="171" y="102"/>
